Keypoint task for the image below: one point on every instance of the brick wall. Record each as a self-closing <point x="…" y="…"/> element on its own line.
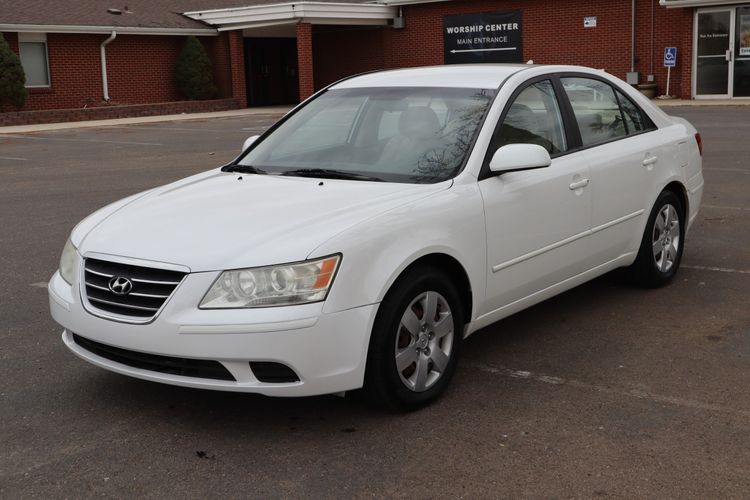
<point x="109" y="112"/>
<point x="140" y="67"/>
<point x="140" y="70"/>
<point x="342" y="51"/>
<point x="553" y="33"/>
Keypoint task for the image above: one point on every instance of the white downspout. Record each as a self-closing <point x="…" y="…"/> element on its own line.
<point x="632" y="37"/>
<point x="103" y="55"/>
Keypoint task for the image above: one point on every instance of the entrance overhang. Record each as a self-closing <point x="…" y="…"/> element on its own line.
<point x="671" y="4"/>
<point x="283" y="13"/>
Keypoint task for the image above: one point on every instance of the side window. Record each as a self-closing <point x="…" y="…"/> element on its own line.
<point x="596" y="110"/>
<point x="635" y="119"/>
<point x="534" y="118"/>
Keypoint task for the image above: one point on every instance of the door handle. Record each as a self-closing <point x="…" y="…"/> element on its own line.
<point x="579" y="184"/>
<point x="649" y="160"/>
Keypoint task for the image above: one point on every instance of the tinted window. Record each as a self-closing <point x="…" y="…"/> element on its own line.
<point x="534" y="118"/>
<point x="596" y="110"/>
<point x="635" y="119"/>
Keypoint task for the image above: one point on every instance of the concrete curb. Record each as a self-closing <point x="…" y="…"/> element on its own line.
<point x="669" y="103"/>
<point x="42" y="127"/>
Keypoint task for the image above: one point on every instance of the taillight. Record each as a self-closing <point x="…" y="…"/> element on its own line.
<point x="700" y="143"/>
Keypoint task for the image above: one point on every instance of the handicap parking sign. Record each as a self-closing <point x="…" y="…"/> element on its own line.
<point x="670" y="57"/>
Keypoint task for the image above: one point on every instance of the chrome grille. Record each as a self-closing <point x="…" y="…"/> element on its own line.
<point x="150" y="288"/>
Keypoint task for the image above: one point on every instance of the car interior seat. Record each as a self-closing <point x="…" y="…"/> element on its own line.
<point x="418" y="135"/>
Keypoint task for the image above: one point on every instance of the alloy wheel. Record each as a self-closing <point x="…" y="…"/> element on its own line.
<point x="424" y="341"/>
<point x="665" y="240"/>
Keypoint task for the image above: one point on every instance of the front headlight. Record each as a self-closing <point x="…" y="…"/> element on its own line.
<point x="282" y="285"/>
<point x="68" y="262"/>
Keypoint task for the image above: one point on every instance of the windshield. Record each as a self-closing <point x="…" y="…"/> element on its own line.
<point x="403" y="134"/>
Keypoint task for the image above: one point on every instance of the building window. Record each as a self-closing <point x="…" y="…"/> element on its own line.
<point x="33" y="50"/>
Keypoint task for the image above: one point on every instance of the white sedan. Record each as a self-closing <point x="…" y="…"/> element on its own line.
<point x="361" y="239"/>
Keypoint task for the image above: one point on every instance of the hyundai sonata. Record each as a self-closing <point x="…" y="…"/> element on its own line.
<point x="363" y="237"/>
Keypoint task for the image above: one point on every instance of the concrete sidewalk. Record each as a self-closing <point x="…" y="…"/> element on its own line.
<point x="41" y="127"/>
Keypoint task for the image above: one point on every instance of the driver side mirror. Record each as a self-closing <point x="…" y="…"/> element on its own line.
<point x="514" y="157"/>
<point x="249" y="141"/>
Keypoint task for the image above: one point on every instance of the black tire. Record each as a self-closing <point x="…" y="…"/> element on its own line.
<point x="384" y="385"/>
<point x="648" y="269"/>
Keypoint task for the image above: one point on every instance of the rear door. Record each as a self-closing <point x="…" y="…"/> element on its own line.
<point x="624" y="151"/>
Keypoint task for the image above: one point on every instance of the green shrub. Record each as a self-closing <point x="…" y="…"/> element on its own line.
<point x="193" y="72"/>
<point x="12" y="77"/>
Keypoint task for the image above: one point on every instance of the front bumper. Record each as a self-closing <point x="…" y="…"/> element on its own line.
<point x="327" y="351"/>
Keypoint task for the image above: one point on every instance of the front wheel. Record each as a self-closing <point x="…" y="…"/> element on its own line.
<point x="415" y="341"/>
<point x="663" y="240"/>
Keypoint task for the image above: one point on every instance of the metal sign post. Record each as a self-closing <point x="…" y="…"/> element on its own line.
<point x="670" y="61"/>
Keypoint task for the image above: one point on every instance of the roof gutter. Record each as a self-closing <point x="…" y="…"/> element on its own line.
<point x="103" y="56"/>
<point x="122" y="30"/>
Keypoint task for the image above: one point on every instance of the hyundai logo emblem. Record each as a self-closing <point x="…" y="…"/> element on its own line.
<point x="120" y="285"/>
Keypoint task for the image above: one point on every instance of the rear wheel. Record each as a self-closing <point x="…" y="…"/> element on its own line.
<point x="415" y="341"/>
<point x="661" y="247"/>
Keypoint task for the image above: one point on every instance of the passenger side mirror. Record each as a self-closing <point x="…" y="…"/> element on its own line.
<point x="249" y="141"/>
<point x="513" y="157"/>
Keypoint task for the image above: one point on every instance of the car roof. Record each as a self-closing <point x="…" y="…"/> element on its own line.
<point x="479" y="76"/>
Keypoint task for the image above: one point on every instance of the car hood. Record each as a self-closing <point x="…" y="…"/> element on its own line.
<point x="225" y="221"/>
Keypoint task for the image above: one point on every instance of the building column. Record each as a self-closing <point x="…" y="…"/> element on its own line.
<point x="237" y="65"/>
<point x="305" y="60"/>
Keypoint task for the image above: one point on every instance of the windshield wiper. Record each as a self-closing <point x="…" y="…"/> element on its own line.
<point x="242" y="169"/>
<point x="327" y="173"/>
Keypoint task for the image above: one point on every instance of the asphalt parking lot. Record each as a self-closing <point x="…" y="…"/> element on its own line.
<point x="604" y="391"/>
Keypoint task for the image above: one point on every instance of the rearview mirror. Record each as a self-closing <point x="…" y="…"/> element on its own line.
<point x="249" y="141"/>
<point x="513" y="157"/>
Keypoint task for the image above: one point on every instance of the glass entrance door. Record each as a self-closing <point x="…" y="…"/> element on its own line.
<point x="713" y="68"/>
<point x="742" y="54"/>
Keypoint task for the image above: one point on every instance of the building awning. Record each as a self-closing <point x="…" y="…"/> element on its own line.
<point x="670" y="4"/>
<point x="257" y="16"/>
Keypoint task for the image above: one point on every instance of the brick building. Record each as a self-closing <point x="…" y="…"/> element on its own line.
<point x="95" y="54"/>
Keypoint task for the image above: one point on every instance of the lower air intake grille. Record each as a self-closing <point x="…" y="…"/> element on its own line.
<point x="198" y="368"/>
<point x="134" y="291"/>
<point x="273" y="373"/>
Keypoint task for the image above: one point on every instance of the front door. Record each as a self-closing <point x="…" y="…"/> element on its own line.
<point x="714" y="53"/>
<point x="271" y="71"/>
<point x="537" y="220"/>
<point x="742" y="54"/>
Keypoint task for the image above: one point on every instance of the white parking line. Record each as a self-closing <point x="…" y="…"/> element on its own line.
<point x="79" y="140"/>
<point x="721" y="207"/>
<point x="40" y="284"/>
<point x="717" y="269"/>
<point x="13" y="158"/>
<point x="722" y="169"/>
<point x="618" y="391"/>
